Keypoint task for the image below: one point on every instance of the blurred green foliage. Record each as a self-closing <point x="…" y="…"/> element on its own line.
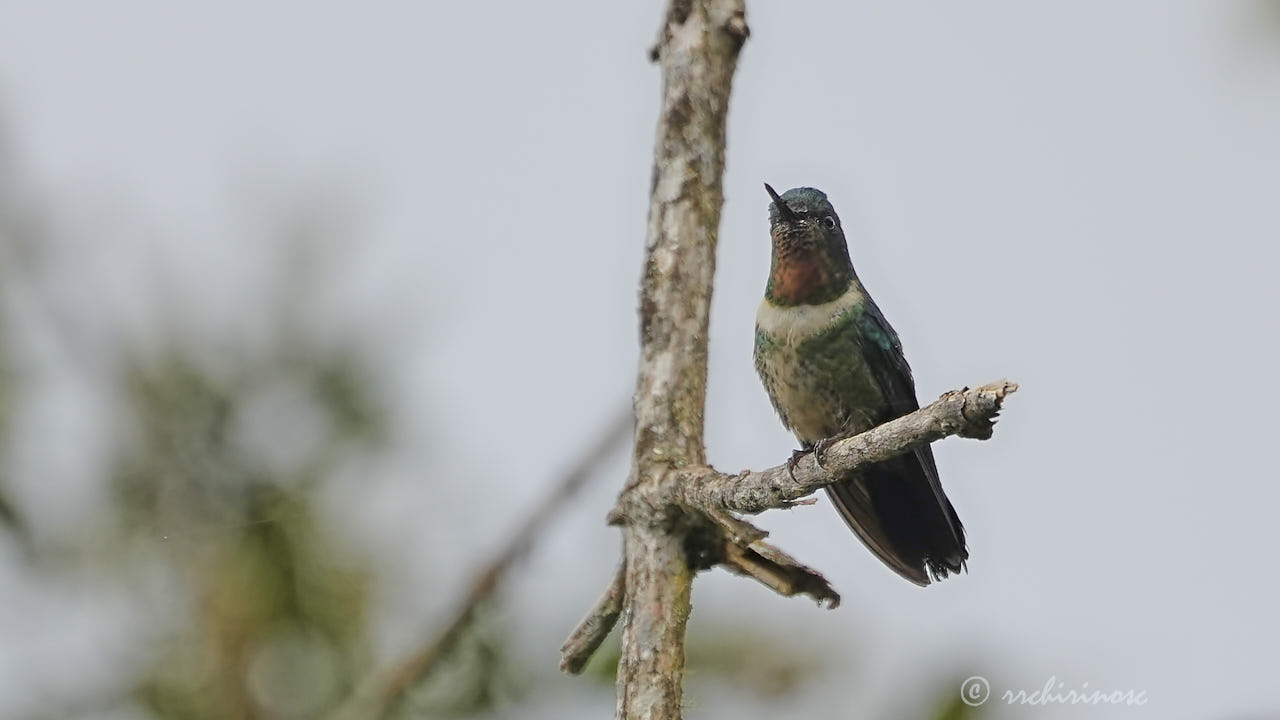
<point x="222" y="453"/>
<point x="279" y="626"/>
<point x="950" y="705"/>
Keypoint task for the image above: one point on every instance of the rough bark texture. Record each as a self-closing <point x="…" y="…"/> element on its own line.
<point x="698" y="51"/>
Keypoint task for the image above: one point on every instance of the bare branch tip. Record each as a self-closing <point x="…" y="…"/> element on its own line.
<point x="777" y="571"/>
<point x="592" y="630"/>
<point x="989" y="399"/>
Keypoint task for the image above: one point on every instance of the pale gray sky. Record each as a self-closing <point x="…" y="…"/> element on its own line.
<point x="1080" y="196"/>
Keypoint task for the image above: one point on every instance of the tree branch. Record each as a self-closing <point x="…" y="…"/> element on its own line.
<point x="967" y="413"/>
<point x="704" y="492"/>
<point x="777" y="571"/>
<point x="698" y="51"/>
<point x="706" y="500"/>
<point x="594" y="628"/>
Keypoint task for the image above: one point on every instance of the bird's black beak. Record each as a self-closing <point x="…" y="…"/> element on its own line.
<point x="783" y="211"/>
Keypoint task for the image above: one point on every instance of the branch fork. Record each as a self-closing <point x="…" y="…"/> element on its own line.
<point x="709" y="502"/>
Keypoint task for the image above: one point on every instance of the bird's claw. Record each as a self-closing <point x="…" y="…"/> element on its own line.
<point x="795" y="458"/>
<point x="822" y="446"/>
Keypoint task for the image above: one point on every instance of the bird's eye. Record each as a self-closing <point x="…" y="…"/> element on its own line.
<point x="829" y="222"/>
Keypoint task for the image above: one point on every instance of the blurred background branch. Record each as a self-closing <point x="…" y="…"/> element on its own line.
<point x="379" y="694"/>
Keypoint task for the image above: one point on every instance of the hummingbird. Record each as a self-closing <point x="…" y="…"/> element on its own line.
<point x="833" y="366"/>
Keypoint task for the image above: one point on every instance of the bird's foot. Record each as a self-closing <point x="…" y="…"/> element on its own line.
<point x="795" y="458"/>
<point x="823" y="445"/>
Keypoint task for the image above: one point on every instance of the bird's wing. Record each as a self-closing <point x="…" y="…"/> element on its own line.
<point x="889" y="506"/>
<point x="883" y="352"/>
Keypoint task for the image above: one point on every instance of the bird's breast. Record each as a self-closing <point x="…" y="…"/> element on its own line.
<point x="811" y="363"/>
<point x="793" y="324"/>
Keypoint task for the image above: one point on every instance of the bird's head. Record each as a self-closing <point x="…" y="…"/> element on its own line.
<point x="803" y="219"/>
<point x="810" y="257"/>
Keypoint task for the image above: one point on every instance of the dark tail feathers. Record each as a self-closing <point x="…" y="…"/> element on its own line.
<point x="897" y="508"/>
